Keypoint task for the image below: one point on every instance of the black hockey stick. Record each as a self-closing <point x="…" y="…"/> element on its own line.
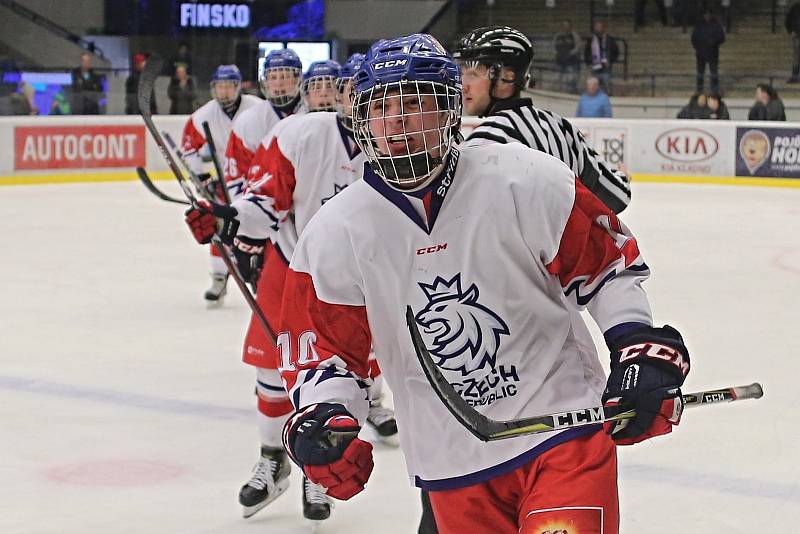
<point x="198" y="184"/>
<point x="146" y="83"/>
<point x="148" y="183"/>
<point x="487" y="429"/>
<point x="212" y="148"/>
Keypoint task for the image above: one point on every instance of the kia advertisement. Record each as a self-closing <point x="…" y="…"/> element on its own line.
<point x="78" y="147"/>
<point x="687" y="150"/>
<point x="768" y="152"/>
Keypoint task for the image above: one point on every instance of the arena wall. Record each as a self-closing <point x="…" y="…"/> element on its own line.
<point x="109" y="148"/>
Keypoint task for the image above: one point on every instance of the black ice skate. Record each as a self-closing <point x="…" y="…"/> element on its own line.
<point x="216" y="293"/>
<point x="270" y="479"/>
<point x="381" y="420"/>
<point x="316" y="505"/>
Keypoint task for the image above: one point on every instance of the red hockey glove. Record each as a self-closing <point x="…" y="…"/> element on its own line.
<point x="648" y="367"/>
<point x="321" y="439"/>
<point x="208" y="219"/>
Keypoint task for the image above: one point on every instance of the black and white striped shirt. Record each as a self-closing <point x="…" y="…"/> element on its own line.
<point x="518" y="121"/>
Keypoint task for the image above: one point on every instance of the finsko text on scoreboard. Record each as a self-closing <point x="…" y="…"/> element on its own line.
<point x="201" y="15"/>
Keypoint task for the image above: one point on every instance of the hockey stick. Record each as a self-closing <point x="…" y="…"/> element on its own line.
<point x="198" y="184"/>
<point x="212" y="148"/>
<point x="487" y="429"/>
<point x="146" y="82"/>
<point x="145" y="179"/>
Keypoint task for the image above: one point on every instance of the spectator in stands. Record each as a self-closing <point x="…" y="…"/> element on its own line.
<point x="717" y="109"/>
<point x="567" y="44"/>
<point x="793" y="27"/>
<point x="697" y="108"/>
<point x="594" y="102"/>
<point x="87" y="88"/>
<point x="768" y="107"/>
<point x="707" y="37"/>
<point x="181" y="92"/>
<point x="183" y="56"/>
<point x="132" y="88"/>
<point x="600" y="53"/>
<point x="662" y="12"/>
<point x="28" y="92"/>
<point x="680" y="12"/>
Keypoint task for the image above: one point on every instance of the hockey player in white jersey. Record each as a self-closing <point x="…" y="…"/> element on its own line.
<point x="496" y="248"/>
<point x="300" y="166"/>
<point x="495" y="65"/>
<point x="279" y="78"/>
<point x="319" y="86"/>
<point x="226" y="105"/>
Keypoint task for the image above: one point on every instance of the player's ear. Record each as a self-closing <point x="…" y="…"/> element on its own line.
<point x="507" y="75"/>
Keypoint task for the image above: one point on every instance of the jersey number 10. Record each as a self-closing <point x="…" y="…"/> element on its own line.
<point x="307" y="355"/>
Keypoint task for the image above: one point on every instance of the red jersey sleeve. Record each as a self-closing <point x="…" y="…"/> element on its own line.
<point x="269" y="195"/>
<point x="598" y="259"/>
<point x="193" y="139"/>
<point x="324" y="347"/>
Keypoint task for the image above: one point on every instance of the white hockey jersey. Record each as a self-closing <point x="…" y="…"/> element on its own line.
<point x="194" y="138"/>
<point x="303" y="162"/>
<point x="496" y="258"/>
<point x="249" y="129"/>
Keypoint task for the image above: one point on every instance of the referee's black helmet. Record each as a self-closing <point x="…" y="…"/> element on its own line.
<point x="497" y="46"/>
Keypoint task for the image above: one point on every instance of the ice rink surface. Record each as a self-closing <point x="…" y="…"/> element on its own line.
<point x="125" y="408"/>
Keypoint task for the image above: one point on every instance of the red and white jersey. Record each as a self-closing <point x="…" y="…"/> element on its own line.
<point x="194" y="138"/>
<point x="303" y="162"/>
<point x="248" y="130"/>
<point x="496" y="258"/>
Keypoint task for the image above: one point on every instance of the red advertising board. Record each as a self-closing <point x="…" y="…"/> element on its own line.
<point x="78" y="147"/>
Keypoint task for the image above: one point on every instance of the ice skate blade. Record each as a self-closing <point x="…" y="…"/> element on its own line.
<point x="390" y="441"/>
<point x="214" y="304"/>
<point x="370" y="434"/>
<point x="280" y="489"/>
<point x="315" y="526"/>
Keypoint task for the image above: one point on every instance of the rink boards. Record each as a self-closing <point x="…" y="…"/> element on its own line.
<point x="41" y="150"/>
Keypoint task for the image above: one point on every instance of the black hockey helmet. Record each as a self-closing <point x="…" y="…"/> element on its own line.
<point x="497" y="47"/>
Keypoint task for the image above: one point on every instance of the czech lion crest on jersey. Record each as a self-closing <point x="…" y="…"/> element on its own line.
<point x="462" y="334"/>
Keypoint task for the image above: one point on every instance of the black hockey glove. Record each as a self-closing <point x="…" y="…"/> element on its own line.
<point x="322" y="440"/>
<point x="249" y="255"/>
<point x="212" y="186"/>
<point x="648" y="367"/>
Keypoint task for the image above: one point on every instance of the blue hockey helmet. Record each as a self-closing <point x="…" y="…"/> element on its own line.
<point x="279" y="77"/>
<point x="351" y="65"/>
<point x="227" y="73"/>
<point x="344" y="89"/>
<point x="319" y="85"/>
<point x="226" y="84"/>
<point x="407" y="109"/>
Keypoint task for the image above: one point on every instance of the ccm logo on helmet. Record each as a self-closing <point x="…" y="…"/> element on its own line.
<point x="655" y="351"/>
<point x="393" y="63"/>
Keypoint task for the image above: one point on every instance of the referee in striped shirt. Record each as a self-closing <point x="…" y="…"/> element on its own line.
<point x="495" y="64"/>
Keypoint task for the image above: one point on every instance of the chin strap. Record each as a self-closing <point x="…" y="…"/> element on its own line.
<point x="231" y="109"/>
<point x="493" y="101"/>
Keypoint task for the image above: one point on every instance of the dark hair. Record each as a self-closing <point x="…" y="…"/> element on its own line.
<point x="767" y="88"/>
<point x="715" y="96"/>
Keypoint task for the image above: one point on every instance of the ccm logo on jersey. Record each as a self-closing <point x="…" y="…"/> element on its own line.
<point x="386" y="64"/>
<point x="657" y="352"/>
<point x="431" y="250"/>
